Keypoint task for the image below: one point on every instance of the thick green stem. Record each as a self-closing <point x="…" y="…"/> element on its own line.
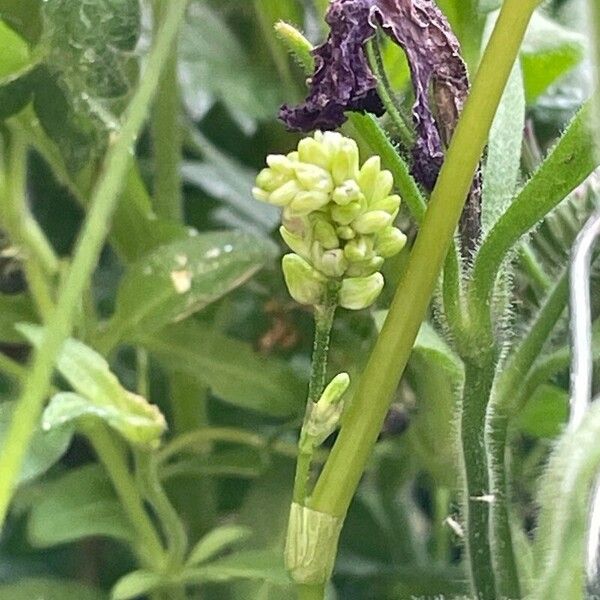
<point x="363" y="420"/>
<point x="500" y="410"/>
<point x="479" y="377"/>
<point x="85" y="259"/>
<point x="112" y="457"/>
<point x="166" y="133"/>
<point x="324" y="316"/>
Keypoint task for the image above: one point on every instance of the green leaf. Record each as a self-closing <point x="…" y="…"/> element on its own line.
<point x="15" y="56"/>
<point x="264" y="565"/>
<point x="39" y="588"/>
<point x="80" y="504"/>
<point x="90" y="375"/>
<point x="545" y="413"/>
<point x="136" y="584"/>
<point x="137" y="428"/>
<point x="24" y="17"/>
<point x="14" y="308"/>
<point x="46" y="447"/>
<point x="549" y="52"/>
<point x="503" y="163"/>
<point x="215" y="66"/>
<point x="216" y="541"/>
<point x="234" y="372"/>
<point x="178" y="279"/>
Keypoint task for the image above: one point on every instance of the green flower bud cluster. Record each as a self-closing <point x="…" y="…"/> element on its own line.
<point x="337" y="218"/>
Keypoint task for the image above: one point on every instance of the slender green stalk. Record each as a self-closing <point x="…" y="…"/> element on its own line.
<point x="500" y="410"/>
<point x="166" y="132"/>
<point x="324" y="316"/>
<point x="479" y="378"/>
<point x="440" y="528"/>
<point x="362" y="421"/>
<point x="113" y="458"/>
<point x="90" y="243"/>
<point x="535" y="271"/>
<point x="386" y="93"/>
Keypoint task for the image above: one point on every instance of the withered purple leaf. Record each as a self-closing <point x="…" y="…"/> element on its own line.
<point x="343" y="79"/>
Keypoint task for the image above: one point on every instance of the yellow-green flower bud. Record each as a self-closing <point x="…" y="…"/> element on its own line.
<point x="345" y="232"/>
<point x="344" y="215"/>
<point x="357" y="250"/>
<point x="369" y="173"/>
<point x="381" y="188"/>
<point x="391" y="204"/>
<point x="325" y="414"/>
<point x="314" y="178"/>
<point x="305" y="284"/>
<point x="366" y="267"/>
<point x="285" y="194"/>
<point x="324" y="232"/>
<point x="260" y="194"/>
<point x="314" y="153"/>
<point x="372" y="222"/>
<point x="331" y="263"/>
<point x="281" y="164"/>
<point x="357" y="293"/>
<point x="345" y="161"/>
<point x="269" y="180"/>
<point x="296" y="242"/>
<point x="347" y="192"/>
<point x="389" y="242"/>
<point x="306" y="202"/>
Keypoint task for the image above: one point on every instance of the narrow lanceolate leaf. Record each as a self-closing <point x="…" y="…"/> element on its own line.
<point x="231" y="368"/>
<point x="80" y="504"/>
<point x="45" y="449"/>
<point x="45" y="588"/>
<point x="216" y="541"/>
<point x="90" y="375"/>
<point x="178" y="279"/>
<point x="136" y="584"/>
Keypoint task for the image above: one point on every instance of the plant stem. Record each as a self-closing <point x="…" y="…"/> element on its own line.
<point x="500" y="410"/>
<point x="363" y="420"/>
<point x="86" y="255"/>
<point x="324" y="316"/>
<point x="311" y="592"/>
<point x="386" y="94"/>
<point x="112" y="457"/>
<point x="166" y="132"/>
<point x="479" y="377"/>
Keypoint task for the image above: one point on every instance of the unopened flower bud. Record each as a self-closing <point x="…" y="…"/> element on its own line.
<point x="345" y="232"/>
<point x="314" y="178"/>
<point x="260" y="194"/>
<point x="347" y="192"/>
<point x="366" y="267"/>
<point x="331" y="263"/>
<point x="305" y="284"/>
<point x="306" y="202"/>
<point x="312" y="152"/>
<point x="391" y="204"/>
<point x="325" y="234"/>
<point x="381" y="188"/>
<point x="285" y="194"/>
<point x="357" y="293"/>
<point x="389" y="242"/>
<point x="325" y="414"/>
<point x="356" y="250"/>
<point x="344" y="215"/>
<point x="296" y="243"/>
<point x="372" y="222"/>
<point x="269" y="180"/>
<point x="369" y="173"/>
<point x="345" y="161"/>
<point x="281" y="164"/>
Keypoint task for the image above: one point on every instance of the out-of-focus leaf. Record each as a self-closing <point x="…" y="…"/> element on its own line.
<point x="45" y="449"/>
<point x="225" y="179"/>
<point x="24" y="17"/>
<point x="503" y="161"/>
<point x="14" y="308"/>
<point x="90" y="375"/>
<point x="234" y="372"/>
<point x="137" y="427"/>
<point x="178" y="279"/>
<point x="216" y="541"/>
<point x="486" y="6"/>
<point x="136" y="584"/>
<point x="549" y="52"/>
<point x="15" y="55"/>
<point x="39" y="588"/>
<point x="264" y="565"/>
<point x="213" y="66"/>
<point x="545" y="413"/>
<point x="80" y="504"/>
